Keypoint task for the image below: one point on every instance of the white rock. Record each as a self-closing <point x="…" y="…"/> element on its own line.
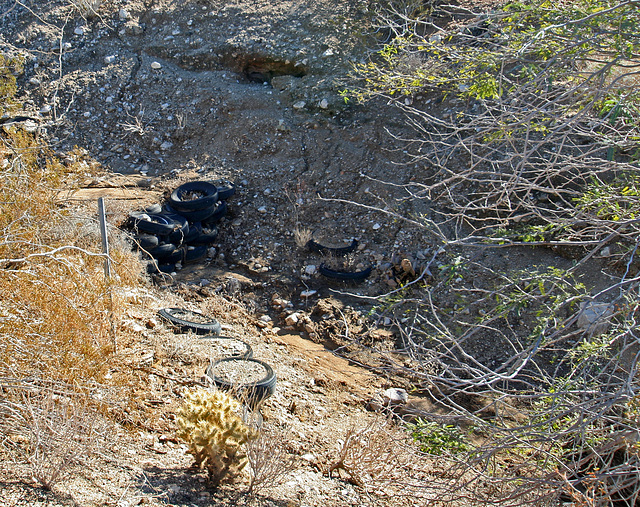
<point x="292" y="319"/>
<point x="156" y="65"/>
<point x="262" y="209"/>
<point x="311" y="269"/>
<point x="86" y="114"/>
<point x="45" y="109"/>
<point x="308" y="293"/>
<point x="376" y="226"/>
<point x="109" y="59"/>
<point x="395" y="396"/>
<point x="124" y="15"/>
<point x="265" y="318"/>
<point x="166" y="145"/>
<point x="308" y="457"/>
<point x="328" y="52"/>
<point x="35" y="81"/>
<point x="300" y="104"/>
<point x="324" y="104"/>
<point x="282" y="126"/>
<point x="79" y="30"/>
<point x="66" y="46"/>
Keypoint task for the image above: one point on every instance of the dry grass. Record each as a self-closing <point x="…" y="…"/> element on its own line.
<point x="57" y="313"/>
<point x="302" y="236"/>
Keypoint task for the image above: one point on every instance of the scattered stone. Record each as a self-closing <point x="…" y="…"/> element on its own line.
<point x="86" y="114"/>
<point x="79" y="30"/>
<point x="166" y="145"/>
<point x="308" y="293"/>
<point x="606" y="252"/>
<point x="292" y="319"/>
<point x="35" y="81"/>
<point x="151" y="323"/>
<point x="595" y="317"/>
<point x="391" y="398"/>
<point x="156" y="65"/>
<point x="310" y="270"/>
<point x="124" y="15"/>
<point x="282" y="126"/>
<point x="109" y="59"/>
<point x="46" y="109"/>
<point x="232" y="286"/>
<point x="376" y="226"/>
<point x="299" y="105"/>
<point x="262" y="209"/>
<point x="324" y="104"/>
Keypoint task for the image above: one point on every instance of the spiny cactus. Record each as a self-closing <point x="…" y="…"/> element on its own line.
<point x="209" y="423"/>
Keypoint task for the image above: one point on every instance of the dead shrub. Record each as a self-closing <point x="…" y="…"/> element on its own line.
<point x="52" y="428"/>
<point x="375" y="456"/>
<point x="57" y="313"/>
<point x="268" y="459"/>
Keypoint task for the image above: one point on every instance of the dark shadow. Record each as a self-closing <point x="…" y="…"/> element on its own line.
<point x="191" y="486"/>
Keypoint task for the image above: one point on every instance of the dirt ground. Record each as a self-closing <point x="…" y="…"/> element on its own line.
<point x="161" y="92"/>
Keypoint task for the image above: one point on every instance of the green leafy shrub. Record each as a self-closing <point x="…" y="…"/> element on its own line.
<point x="438" y="439"/>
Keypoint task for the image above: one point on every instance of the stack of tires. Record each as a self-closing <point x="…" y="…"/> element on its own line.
<point x="182" y="229"/>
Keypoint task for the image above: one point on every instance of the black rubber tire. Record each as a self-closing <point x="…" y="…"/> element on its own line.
<point x="171" y="314"/>
<point x="146" y="241"/>
<point x="176" y="256"/>
<point x="162" y="251"/>
<point x="252" y="394"/>
<point x="218" y="214"/>
<point x="154" y="223"/>
<point x="345" y="275"/>
<point x="210" y="197"/>
<point x="195" y="231"/>
<point x="225" y="188"/>
<point x="193" y="216"/>
<point x="195" y="254"/>
<point x="206" y="238"/>
<point x="181" y="228"/>
<point x="246" y="354"/>
<point x="317" y="247"/>
<point x="154" y="267"/>
<point x="154" y="208"/>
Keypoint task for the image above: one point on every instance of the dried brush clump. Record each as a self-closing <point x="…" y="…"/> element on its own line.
<point x="269" y="461"/>
<point x="57" y="313"/>
<point x="53" y="428"/>
<point x="379" y="458"/>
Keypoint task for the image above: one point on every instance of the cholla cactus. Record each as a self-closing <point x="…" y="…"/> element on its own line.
<point x="208" y="422"/>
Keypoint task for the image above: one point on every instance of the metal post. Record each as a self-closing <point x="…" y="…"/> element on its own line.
<point x="105" y="240"/>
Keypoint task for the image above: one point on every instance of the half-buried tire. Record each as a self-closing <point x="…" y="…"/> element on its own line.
<point x="250" y="380"/>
